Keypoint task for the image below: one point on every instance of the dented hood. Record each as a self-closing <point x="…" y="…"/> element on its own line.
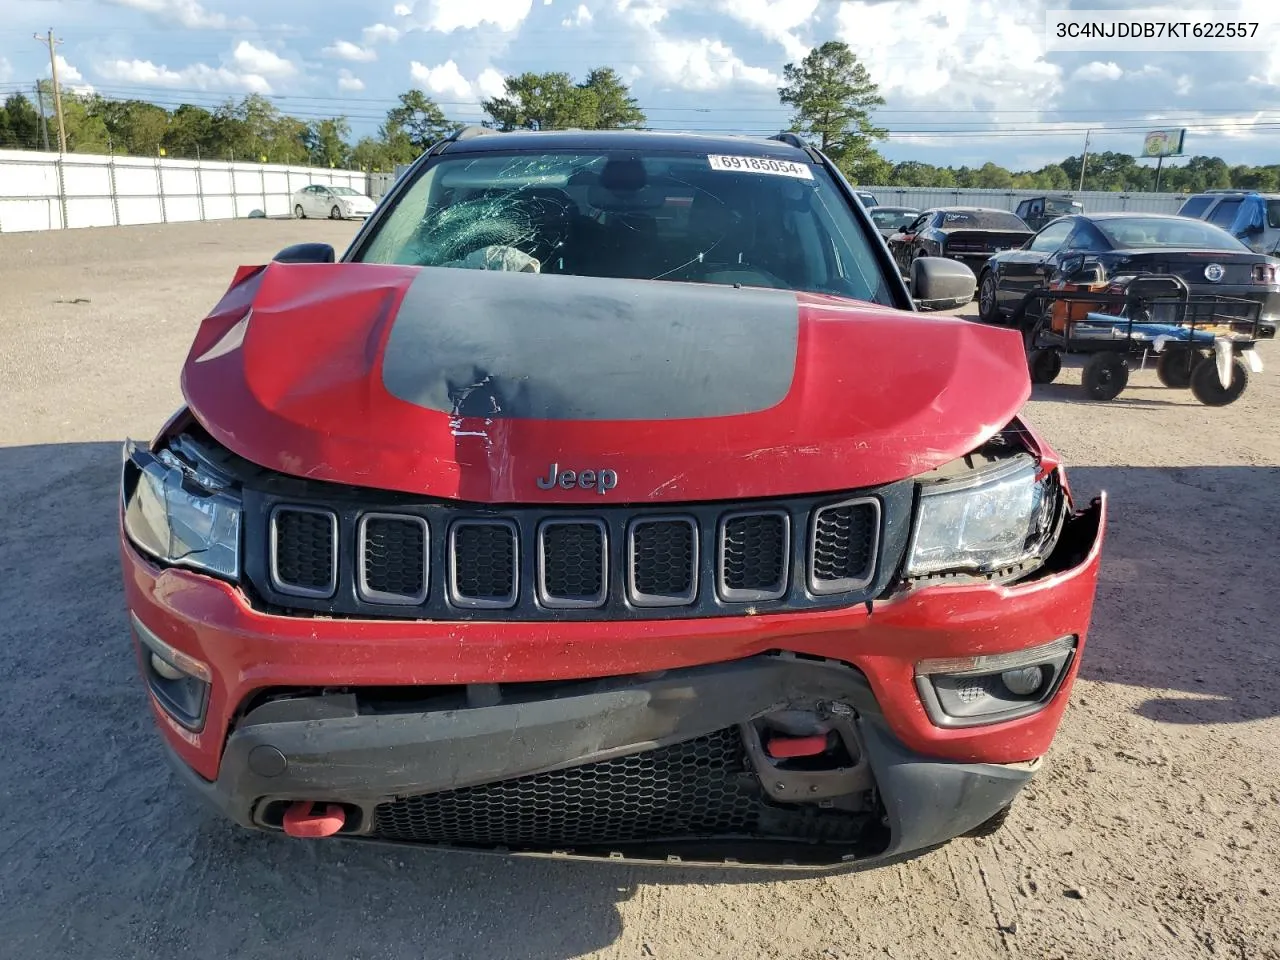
<point x="478" y="385"/>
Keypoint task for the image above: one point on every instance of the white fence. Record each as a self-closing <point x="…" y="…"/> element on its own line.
<point x="44" y="191"/>
<point x="1095" y="201"/>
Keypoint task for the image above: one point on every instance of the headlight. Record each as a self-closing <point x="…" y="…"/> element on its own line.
<point x="180" y="513"/>
<point x="996" y="521"/>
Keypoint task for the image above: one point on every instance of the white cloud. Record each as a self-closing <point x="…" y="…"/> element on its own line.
<point x="349" y="82"/>
<point x="257" y="60"/>
<point x="776" y="20"/>
<point x="6" y="69"/>
<point x="444" y="80"/>
<point x="199" y="76"/>
<point x="1098" y="71"/>
<point x="581" y="17"/>
<point x="380" y="32"/>
<point x="490" y="84"/>
<point x="446" y="16"/>
<point x="66" y="72"/>
<point x="402" y="10"/>
<point x="346" y="50"/>
<point x="447" y="82"/>
<point x="186" y="13"/>
<point x="644" y="13"/>
<point x="705" y="65"/>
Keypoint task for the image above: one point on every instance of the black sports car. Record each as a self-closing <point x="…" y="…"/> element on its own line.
<point x="968" y="234"/>
<point x="891" y="220"/>
<point x="1208" y="258"/>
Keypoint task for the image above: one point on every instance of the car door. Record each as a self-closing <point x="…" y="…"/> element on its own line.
<point x="904" y="242"/>
<point x="324" y="201"/>
<point x="1022" y="271"/>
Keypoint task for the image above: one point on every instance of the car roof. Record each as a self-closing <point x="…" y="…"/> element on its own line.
<point x="1123" y="214"/>
<point x="891" y="207"/>
<point x="594" y="140"/>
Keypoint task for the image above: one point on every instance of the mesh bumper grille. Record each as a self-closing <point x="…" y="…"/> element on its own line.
<point x="700" y="789"/>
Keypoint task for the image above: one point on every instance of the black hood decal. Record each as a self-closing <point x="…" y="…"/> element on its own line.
<point x="508" y="345"/>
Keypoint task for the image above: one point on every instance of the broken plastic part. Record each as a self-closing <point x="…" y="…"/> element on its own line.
<point x="783" y="748"/>
<point x="303" y="820"/>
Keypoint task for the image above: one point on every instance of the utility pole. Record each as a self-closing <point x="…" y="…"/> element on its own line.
<point x="1084" y="158"/>
<point x="44" y="124"/>
<point x="52" y="43"/>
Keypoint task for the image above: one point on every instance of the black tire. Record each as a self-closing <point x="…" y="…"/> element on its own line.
<point x="1208" y="389"/>
<point x="1045" y="365"/>
<point x="1105" y="376"/>
<point x="1174" y="367"/>
<point x="992" y="824"/>
<point x="988" y="305"/>
<point x="335" y="213"/>
<point x="299" y="213"/>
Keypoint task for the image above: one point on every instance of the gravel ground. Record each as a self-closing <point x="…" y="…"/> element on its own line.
<point x="1153" y="832"/>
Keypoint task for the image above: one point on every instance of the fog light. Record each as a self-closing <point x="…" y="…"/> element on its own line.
<point x="1024" y="681"/>
<point x="165" y="669"/>
<point x="971" y="691"/>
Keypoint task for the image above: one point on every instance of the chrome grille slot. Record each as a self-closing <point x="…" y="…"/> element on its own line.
<point x="754" y="549"/>
<point x="843" y="540"/>
<point x="662" y="561"/>
<point x="572" y="563"/>
<point x="393" y="558"/>
<point x="303" y="557"/>
<point x="484" y="563"/>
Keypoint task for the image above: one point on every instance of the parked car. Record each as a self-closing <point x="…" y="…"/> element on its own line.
<point x="967" y="234"/>
<point x="891" y="220"/>
<point x="334" y="202"/>
<point x="1247" y="215"/>
<point x="1037" y="211"/>
<point x="1209" y="259"/>
<point x="607" y="498"/>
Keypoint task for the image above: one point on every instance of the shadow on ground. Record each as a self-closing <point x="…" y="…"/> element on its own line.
<point x="1185" y="599"/>
<point x="103" y="856"/>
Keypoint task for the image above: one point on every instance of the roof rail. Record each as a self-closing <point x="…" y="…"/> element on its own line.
<point x="462" y="133"/>
<point x="795" y="140"/>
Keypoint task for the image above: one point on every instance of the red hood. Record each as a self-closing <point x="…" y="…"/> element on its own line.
<point x="297" y="370"/>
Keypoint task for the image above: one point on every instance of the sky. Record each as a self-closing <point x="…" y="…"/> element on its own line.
<point x="966" y="81"/>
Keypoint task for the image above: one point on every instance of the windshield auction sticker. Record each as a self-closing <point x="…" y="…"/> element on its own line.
<point x="780" y="168"/>
<point x="1159" y="29"/>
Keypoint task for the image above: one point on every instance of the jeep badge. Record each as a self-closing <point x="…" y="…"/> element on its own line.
<point x="602" y="480"/>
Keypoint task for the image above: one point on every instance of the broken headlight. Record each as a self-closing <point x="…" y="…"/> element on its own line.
<point x="180" y="511"/>
<point x="998" y="520"/>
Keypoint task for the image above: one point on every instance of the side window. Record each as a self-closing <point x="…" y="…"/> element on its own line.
<point x="916" y="224"/>
<point x="1022" y="208"/>
<point x="1224" y="213"/>
<point x="1195" y="207"/>
<point x="1037" y="208"/>
<point x="1051" y="237"/>
<point x="1086" y="237"/>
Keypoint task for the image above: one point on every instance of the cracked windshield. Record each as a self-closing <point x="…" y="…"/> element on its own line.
<point x="683" y="217"/>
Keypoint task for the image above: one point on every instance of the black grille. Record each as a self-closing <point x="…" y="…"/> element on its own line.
<point x="663" y="561"/>
<point x="304" y="551"/>
<point x="844" y="543"/>
<point x="394" y="559"/>
<point x="572" y="559"/>
<point x="753" y="551"/>
<point x="698" y="789"/>
<point x="484" y="563"/>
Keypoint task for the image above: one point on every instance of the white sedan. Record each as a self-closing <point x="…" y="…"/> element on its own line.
<point x="336" y="203"/>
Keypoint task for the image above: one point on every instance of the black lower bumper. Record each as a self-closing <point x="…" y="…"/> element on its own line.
<point x="669" y="768"/>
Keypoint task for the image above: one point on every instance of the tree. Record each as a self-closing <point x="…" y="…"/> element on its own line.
<point x="833" y="96"/>
<point x="191" y="133"/>
<point x="418" y="122"/>
<point x="608" y="103"/>
<point x="327" y="142"/>
<point x="21" y="125"/>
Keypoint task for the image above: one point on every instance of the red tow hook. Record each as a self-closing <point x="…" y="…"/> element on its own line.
<point x="303" y="819"/>
<point x="785" y="748"/>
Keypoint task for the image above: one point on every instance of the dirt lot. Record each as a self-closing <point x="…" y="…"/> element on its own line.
<point x="1153" y="832"/>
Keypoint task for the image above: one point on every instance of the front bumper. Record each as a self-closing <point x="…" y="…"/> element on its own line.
<point x="376" y="715"/>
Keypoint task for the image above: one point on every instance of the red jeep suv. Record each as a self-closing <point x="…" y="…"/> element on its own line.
<point x="609" y="497"/>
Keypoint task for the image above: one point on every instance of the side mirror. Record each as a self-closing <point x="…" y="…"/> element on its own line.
<point x="941" y="284"/>
<point x="1088" y="273"/>
<point x="306" y="253"/>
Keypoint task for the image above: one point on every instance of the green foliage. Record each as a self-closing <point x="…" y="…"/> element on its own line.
<point x="833" y="96"/>
<point x="552" y="101"/>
